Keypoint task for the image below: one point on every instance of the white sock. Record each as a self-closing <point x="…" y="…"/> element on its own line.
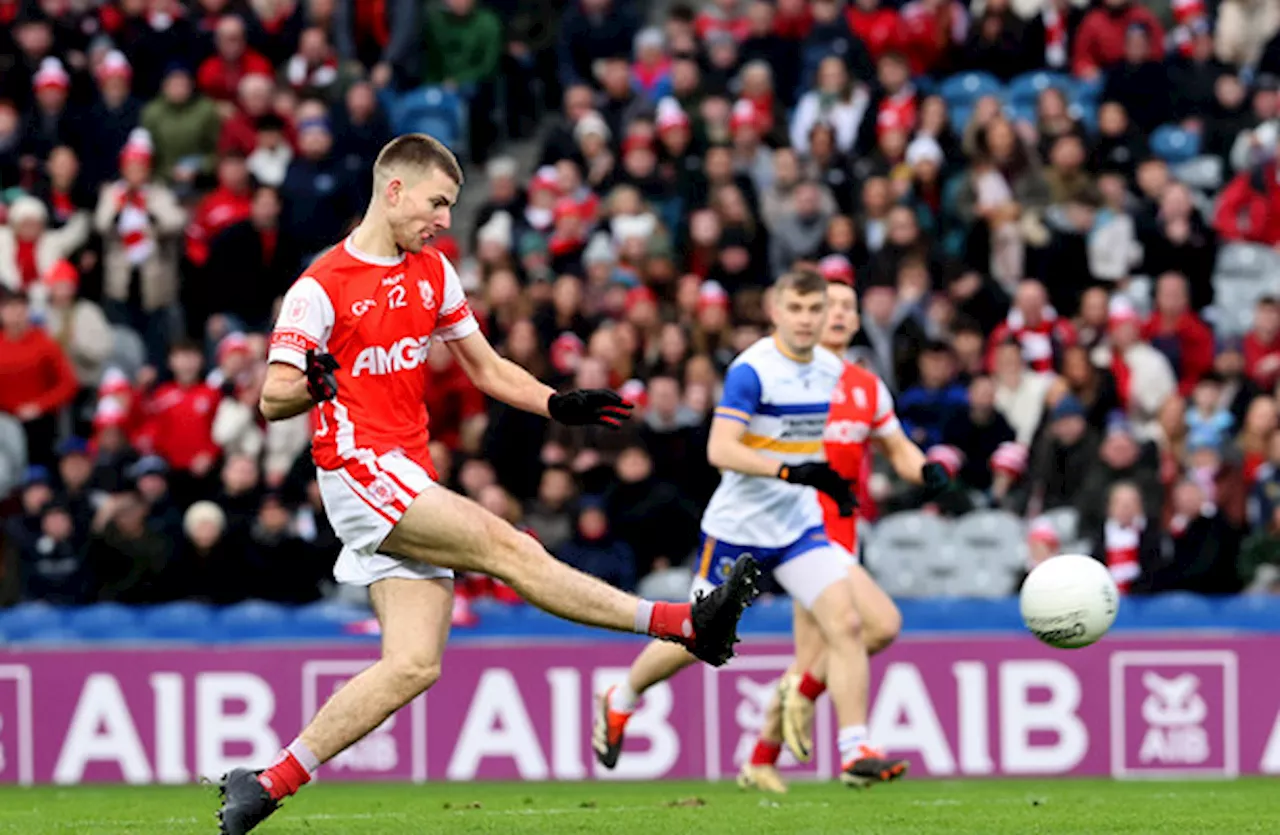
<point x="644" y="614"/>
<point x="623" y="699"/>
<point x="849" y="740"/>
<point x="303" y="755"/>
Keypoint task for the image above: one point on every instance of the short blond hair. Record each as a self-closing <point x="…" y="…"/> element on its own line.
<point x="419" y="153"/>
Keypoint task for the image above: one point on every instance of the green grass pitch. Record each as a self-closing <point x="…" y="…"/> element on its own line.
<point x="995" y="807"/>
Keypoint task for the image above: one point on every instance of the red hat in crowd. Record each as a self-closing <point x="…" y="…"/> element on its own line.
<point x="1042" y="530"/>
<point x="545" y="179"/>
<point x="1010" y="458"/>
<point x="62" y="272"/>
<point x="633" y="391"/>
<point x="566" y="207"/>
<point x="640" y="294"/>
<point x="671" y="115"/>
<point x="744" y="115"/>
<point x="51" y="76"/>
<point x="712" y="294"/>
<point x="951" y="458"/>
<point x="114" y="381"/>
<point x="566" y="352"/>
<point x="114" y="65"/>
<point x="636" y="143"/>
<point x="137" y="148"/>
<point x="836" y="268"/>
<point x="1121" y="312"/>
<point x="233" y="343"/>
<point x="110" y="414"/>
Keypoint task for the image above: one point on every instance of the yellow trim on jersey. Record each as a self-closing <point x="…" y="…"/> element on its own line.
<point x="797" y="447"/>
<point x="736" y="413"/>
<point x="704" y="565"/>
<point x="788" y="353"/>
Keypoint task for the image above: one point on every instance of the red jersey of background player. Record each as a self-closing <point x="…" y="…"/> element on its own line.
<point x="861" y="409"/>
<point x="377" y="317"/>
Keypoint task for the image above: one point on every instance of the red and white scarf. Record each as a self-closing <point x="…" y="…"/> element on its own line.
<point x="134" y="228"/>
<point x="1121" y="544"/>
<point x="1037" y="340"/>
<point x="1055" y="37"/>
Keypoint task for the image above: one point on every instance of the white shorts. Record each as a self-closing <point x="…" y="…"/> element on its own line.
<point x="805" y="577"/>
<point x="364" y="502"/>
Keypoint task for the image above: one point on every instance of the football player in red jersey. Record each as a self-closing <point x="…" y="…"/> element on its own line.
<point x="861" y="413"/>
<point x="350" y="344"/>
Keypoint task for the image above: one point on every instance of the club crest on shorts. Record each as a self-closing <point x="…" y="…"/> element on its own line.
<point x="428" y="294"/>
<point x="381" y="491"/>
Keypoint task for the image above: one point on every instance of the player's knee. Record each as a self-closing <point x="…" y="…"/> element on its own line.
<point x="515" y="555"/>
<point x="415" y="674"/>
<point x="840" y="621"/>
<point x="882" y="630"/>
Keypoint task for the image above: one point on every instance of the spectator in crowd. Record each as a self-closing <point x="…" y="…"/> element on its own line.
<point x="317" y="192"/>
<point x="1129" y="540"/>
<point x="1036" y="327"/>
<point x="548" y="516"/>
<point x="29" y="247"/>
<point x="979" y="430"/>
<point x="1143" y="375"/>
<point x="590" y="31"/>
<point x="52" y="567"/>
<point x="383" y="37"/>
<point x="77" y="324"/>
<point x="595" y="549"/>
<point x="36" y="380"/>
<point x="219" y="75"/>
<point x="1122" y="457"/>
<point x="110" y="119"/>
<point x="183" y="127"/>
<point x="1204" y="547"/>
<point x="1259" y="562"/>
<point x="140" y="221"/>
<point x="76" y="490"/>
<point x="463" y="45"/>
<point x="150" y="476"/>
<point x="1177" y="332"/>
<point x="1102" y="39"/>
<point x="1262" y="344"/>
<point x="208" y="564"/>
<point x="126" y="557"/>
<point x="927" y="407"/>
<point x="1139" y="82"/>
<point x="251" y="264"/>
<point x="179" y="415"/>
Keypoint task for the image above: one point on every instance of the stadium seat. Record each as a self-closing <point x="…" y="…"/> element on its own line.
<point x="966" y="88"/>
<point x="960" y="116"/>
<point x="977" y="615"/>
<point x="1065" y="520"/>
<point x="435" y="111"/>
<point x="183" y="619"/>
<point x="1172" y="609"/>
<point x="1025" y="90"/>
<point x="52" y="634"/>
<point x="993" y="539"/>
<point x="328" y="616"/>
<point x="1020" y="112"/>
<point x="1087" y="90"/>
<point x="1174" y="145"/>
<point x="1245" y="260"/>
<point x="910" y="555"/>
<point x="254" y="619"/>
<point x="1253" y="612"/>
<point x="25" y="619"/>
<point x="1204" y="173"/>
<point x="102" y="620"/>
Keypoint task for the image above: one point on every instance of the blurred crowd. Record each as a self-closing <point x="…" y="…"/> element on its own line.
<point x="1017" y="189"/>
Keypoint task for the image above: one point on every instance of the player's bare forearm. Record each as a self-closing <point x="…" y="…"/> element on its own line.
<point x="499" y="377"/>
<point x="513" y="385"/>
<point x="284" y="393"/>
<point x="904" y="456"/>
<point x="726" y="451"/>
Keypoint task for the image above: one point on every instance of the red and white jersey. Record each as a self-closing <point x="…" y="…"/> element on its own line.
<point x="377" y="317"/>
<point x="861" y="409"/>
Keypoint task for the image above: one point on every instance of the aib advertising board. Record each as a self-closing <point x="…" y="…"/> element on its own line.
<point x="956" y="707"/>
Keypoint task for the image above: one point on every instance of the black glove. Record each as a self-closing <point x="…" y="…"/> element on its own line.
<point x="321" y="384"/>
<point x="935" y="479"/>
<point x="820" y="476"/>
<point x="589" y="407"/>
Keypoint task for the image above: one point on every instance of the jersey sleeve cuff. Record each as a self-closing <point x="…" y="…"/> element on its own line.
<point x="887" y="425"/>
<point x="288" y="356"/>
<point x="458" y="330"/>
<point x="733" y="414"/>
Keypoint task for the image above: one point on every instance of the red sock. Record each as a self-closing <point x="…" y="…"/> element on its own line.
<point x="811" y="688"/>
<point x="766" y="753"/>
<point x="671" y="620"/>
<point x="285" y="777"/>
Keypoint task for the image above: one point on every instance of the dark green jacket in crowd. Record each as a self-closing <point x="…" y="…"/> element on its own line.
<point x="463" y="49"/>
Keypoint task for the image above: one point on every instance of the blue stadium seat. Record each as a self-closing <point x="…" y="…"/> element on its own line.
<point x="26" y="619"/>
<point x="1019" y="112"/>
<point x="1026" y="89"/>
<point x="435" y="111"/>
<point x="1254" y="612"/>
<point x="964" y="614"/>
<point x="325" y="617"/>
<point x="1174" y="145"/>
<point x="252" y="620"/>
<point x="101" y="620"/>
<point x="1173" y="609"/>
<point x="122" y="633"/>
<point x="1087" y="90"/>
<point x="52" y="634"/>
<point x="183" y="619"/>
<point x="967" y="87"/>
<point x="959" y="116"/>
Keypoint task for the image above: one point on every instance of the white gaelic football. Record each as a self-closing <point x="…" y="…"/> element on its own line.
<point x="1069" y="601"/>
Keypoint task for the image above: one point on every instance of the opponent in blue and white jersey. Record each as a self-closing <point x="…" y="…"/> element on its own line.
<point x="784" y="404"/>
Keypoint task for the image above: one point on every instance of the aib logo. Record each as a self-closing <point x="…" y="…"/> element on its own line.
<point x="1174" y="713"/>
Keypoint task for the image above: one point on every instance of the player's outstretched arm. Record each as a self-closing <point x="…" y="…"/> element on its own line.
<point x="910" y="463"/>
<point x="499" y="377"/>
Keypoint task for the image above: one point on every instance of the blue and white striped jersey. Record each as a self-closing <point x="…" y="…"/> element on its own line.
<point x="784" y="404"/>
